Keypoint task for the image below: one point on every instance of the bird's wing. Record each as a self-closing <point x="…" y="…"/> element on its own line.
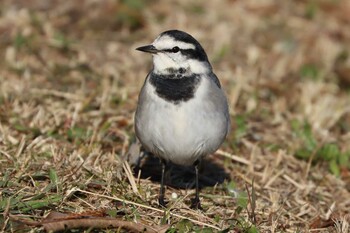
<point x="215" y="79"/>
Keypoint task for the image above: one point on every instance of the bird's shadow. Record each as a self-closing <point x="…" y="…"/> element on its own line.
<point x="180" y="177"/>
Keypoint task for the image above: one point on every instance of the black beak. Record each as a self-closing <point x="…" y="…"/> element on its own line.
<point x="148" y="49"/>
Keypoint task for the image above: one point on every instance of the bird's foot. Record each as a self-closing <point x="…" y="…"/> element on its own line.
<point x="196" y="204"/>
<point x="162" y="202"/>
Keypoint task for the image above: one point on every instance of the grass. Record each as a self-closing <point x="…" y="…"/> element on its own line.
<point x="69" y="82"/>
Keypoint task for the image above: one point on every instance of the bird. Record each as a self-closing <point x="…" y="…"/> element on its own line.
<point x="182" y="113"/>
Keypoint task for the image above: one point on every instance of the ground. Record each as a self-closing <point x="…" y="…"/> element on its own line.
<point x="69" y="83"/>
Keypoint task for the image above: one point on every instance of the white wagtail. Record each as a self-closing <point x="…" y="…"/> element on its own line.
<point x="182" y="113"/>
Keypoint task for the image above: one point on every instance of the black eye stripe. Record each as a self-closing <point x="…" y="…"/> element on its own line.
<point x="173" y="50"/>
<point x="193" y="53"/>
<point x="178" y="49"/>
<point x="198" y="53"/>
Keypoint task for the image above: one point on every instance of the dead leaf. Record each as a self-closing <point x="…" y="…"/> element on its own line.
<point x="319" y="222"/>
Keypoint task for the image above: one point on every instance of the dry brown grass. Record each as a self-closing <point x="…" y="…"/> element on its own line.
<point x="69" y="80"/>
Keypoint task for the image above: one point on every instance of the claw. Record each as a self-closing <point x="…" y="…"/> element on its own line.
<point x="196" y="204"/>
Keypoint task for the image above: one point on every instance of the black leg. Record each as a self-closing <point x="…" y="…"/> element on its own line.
<point x="162" y="188"/>
<point x="196" y="203"/>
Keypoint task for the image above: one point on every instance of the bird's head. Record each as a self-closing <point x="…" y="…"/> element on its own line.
<point x="174" y="50"/>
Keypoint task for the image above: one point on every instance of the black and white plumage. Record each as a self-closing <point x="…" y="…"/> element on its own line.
<point x="182" y="113"/>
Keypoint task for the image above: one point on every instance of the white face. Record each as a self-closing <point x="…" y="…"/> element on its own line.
<point x="164" y="60"/>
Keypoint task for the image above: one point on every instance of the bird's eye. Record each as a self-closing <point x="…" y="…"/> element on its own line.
<point x="175" y="49"/>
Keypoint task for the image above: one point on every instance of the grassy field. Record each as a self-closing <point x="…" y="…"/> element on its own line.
<point x="69" y="83"/>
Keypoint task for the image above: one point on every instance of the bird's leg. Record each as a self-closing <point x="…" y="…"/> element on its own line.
<point x="162" y="188"/>
<point x="196" y="203"/>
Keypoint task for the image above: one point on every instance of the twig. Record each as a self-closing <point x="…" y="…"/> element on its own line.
<point x="7" y="155"/>
<point x="233" y="157"/>
<point x="251" y="200"/>
<point x="293" y="182"/>
<point x="130" y="177"/>
<point x="311" y="158"/>
<point x="60" y="94"/>
<point x="21" y="147"/>
<point x="270" y="181"/>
